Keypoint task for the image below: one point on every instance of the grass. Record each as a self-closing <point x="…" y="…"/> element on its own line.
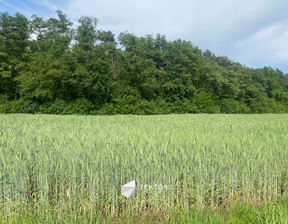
<point x="219" y="168"/>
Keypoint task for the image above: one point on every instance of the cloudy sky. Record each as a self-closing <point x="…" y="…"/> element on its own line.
<point x="252" y="32"/>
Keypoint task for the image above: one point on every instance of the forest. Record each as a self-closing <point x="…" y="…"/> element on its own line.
<point x="53" y="66"/>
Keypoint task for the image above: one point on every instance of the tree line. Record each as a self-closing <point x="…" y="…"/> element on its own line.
<point x="52" y="66"/>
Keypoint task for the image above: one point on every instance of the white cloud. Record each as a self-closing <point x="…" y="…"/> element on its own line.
<point x="267" y="46"/>
<point x="251" y="32"/>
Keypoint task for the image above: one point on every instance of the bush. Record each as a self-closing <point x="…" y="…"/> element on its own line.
<point x="267" y="105"/>
<point x="4" y="108"/>
<point x="163" y="107"/>
<point x="205" y="103"/>
<point x="80" y="106"/>
<point x="230" y="106"/>
<point x="107" y="109"/>
<point x="185" y="107"/>
<point x="145" y="107"/>
<point x="125" y="104"/>
<point x="19" y="106"/>
<point x="3" y="99"/>
<point x="56" y="107"/>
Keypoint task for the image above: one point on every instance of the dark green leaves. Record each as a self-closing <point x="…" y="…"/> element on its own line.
<point x="51" y="66"/>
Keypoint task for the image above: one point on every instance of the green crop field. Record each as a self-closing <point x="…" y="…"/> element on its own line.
<point x="215" y="168"/>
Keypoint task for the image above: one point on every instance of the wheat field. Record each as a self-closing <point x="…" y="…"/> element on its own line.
<point x="63" y="168"/>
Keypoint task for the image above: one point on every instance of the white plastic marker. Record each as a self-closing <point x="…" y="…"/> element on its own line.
<point x="128" y="189"/>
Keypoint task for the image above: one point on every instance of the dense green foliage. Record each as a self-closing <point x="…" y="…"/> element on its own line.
<point x="51" y="66"/>
<point x="70" y="169"/>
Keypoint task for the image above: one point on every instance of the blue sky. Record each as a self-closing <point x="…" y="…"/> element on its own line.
<point x="254" y="33"/>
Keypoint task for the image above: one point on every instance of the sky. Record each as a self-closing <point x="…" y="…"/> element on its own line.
<point x="252" y="32"/>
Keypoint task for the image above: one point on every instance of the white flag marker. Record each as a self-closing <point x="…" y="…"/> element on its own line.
<point x="128" y="189"/>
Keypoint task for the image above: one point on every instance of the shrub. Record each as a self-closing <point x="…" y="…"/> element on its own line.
<point x="80" y="106"/>
<point x="19" y="106"/>
<point x="56" y="107"/>
<point x="230" y="106"/>
<point x="125" y="104"/>
<point x="185" y="107"/>
<point x="205" y="103"/>
<point x="145" y="107"/>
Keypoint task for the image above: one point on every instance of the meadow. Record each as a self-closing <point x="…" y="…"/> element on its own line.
<point x="70" y="169"/>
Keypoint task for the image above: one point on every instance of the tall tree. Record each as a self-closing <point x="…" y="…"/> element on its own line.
<point x="86" y="34"/>
<point x="14" y="34"/>
<point x="46" y="72"/>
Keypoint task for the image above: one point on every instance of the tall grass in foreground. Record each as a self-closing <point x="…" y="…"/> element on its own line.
<point x="67" y="167"/>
